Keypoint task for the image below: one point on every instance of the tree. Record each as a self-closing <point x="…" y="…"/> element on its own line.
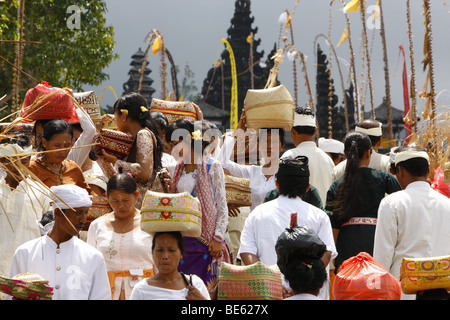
<point x="240" y="29"/>
<point x="69" y="55"/>
<point x="189" y="90"/>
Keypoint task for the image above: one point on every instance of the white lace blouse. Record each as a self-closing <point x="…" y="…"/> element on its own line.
<point x="217" y="180"/>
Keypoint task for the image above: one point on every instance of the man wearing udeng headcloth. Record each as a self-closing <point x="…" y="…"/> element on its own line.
<point x="415" y="221"/>
<point x="75" y="270"/>
<point x="372" y="128"/>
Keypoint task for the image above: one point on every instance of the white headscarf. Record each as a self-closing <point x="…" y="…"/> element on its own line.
<point x="72" y="195"/>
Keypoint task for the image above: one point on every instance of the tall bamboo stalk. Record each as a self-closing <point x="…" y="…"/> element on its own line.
<point x="352" y="63"/>
<point x="413" y="88"/>
<point x="362" y="6"/>
<point x="386" y="77"/>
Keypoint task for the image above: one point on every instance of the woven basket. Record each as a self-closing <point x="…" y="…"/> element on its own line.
<point x="253" y="282"/>
<point x="89" y="102"/>
<point x="238" y="191"/>
<point x="171" y="212"/>
<point x="269" y="108"/>
<point x="100" y="206"/>
<point x="26" y="290"/>
<point x="115" y="142"/>
<point x="174" y="110"/>
<point x="424" y="274"/>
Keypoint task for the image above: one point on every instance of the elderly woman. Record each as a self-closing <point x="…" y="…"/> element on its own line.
<point x="168" y="283"/>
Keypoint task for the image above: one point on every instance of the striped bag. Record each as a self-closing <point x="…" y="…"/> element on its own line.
<point x="253" y="282"/>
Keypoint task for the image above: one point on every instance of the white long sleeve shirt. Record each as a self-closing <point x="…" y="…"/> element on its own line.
<point x="75" y="269"/>
<point x="413" y="223"/>
<point x="320" y="166"/>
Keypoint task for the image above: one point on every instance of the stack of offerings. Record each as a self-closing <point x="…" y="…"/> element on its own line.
<point x="425" y="274"/>
<point x="174" y="110"/>
<point x="26" y="286"/>
<point x="90" y="103"/>
<point x="114" y="142"/>
<point x="44" y="102"/>
<point x="167" y="212"/>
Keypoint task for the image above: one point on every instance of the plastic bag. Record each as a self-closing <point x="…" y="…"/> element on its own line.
<point x="363" y="278"/>
<point x="439" y="183"/>
<point x="58" y="104"/>
<point x="298" y="242"/>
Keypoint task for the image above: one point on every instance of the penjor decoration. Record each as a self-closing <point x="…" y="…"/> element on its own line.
<point x="234" y="91"/>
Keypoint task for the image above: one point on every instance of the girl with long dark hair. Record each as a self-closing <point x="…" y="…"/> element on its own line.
<point x="132" y="116"/>
<point x="353" y="199"/>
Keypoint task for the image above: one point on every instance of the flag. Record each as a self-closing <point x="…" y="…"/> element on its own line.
<point x="344" y="37"/>
<point x="156" y="45"/>
<point x="406" y="104"/>
<point x="250" y="38"/>
<point x="234" y="91"/>
<point x="352" y="6"/>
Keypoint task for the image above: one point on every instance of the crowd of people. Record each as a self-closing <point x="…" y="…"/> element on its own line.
<point x="350" y="197"/>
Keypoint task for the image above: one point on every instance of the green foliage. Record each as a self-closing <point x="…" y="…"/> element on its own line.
<point x="67" y="57"/>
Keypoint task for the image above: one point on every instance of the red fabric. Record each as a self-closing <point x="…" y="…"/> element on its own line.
<point x="439" y="183"/>
<point x="363" y="278"/>
<point x="58" y="106"/>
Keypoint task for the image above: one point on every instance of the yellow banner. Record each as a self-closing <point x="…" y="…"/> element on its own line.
<point x="234" y="91"/>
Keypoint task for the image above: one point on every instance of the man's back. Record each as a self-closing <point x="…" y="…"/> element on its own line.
<point x="415" y="223"/>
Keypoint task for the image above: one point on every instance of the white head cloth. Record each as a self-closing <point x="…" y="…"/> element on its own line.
<point x="376" y="132"/>
<point x="304" y="120"/>
<point x="8" y="149"/>
<point x="331" y="145"/>
<point x="410" y="154"/>
<point x="72" y="195"/>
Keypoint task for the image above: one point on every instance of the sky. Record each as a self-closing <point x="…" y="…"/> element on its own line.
<point x="193" y="29"/>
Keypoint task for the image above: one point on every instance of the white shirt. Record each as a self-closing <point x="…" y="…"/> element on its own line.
<point x="303" y="296"/>
<point x="320" y="166"/>
<point x="259" y="184"/>
<point x="413" y="223"/>
<point x="269" y="220"/>
<point x="377" y="161"/>
<point x="77" y="154"/>
<point x="144" y="291"/>
<point x="75" y="269"/>
<point x="24" y="207"/>
<point x="122" y="251"/>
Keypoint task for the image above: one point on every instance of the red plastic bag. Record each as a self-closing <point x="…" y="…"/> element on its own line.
<point x="439" y="182"/>
<point x="57" y="106"/>
<point x="363" y="278"/>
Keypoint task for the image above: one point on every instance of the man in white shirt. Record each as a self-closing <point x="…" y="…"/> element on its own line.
<point x="371" y="128"/>
<point x="415" y="221"/>
<point x="320" y="164"/>
<point x="75" y="269"/>
<point x="268" y="220"/>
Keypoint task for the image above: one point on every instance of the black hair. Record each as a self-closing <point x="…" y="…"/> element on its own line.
<point x="346" y="203"/>
<point x="54" y="127"/>
<point x="176" y="234"/>
<point x="132" y="102"/>
<point x="189" y="126"/>
<point x="21" y="139"/>
<point x="160" y="119"/>
<point x="281" y="134"/>
<point x="121" y="182"/>
<point x="37" y="140"/>
<point x="291" y="185"/>
<point x="417" y="167"/>
<point x="305" y="275"/>
<point x="369" y="124"/>
<point x="77" y="126"/>
<point x="305" y="129"/>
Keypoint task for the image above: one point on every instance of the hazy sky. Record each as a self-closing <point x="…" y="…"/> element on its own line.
<point x="193" y="30"/>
